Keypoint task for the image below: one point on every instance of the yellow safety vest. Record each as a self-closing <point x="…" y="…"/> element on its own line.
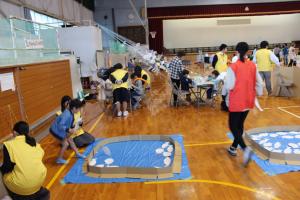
<point x="263" y="60"/>
<point x="221" y="65"/>
<point x="119" y="74"/>
<point x="148" y="81"/>
<point x="29" y="172"/>
<point x="79" y="131"/>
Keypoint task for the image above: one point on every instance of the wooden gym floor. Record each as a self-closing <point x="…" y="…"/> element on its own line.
<point x="215" y="174"/>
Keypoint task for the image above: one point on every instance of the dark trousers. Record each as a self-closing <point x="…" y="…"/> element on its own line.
<point x="42" y="194"/>
<point x="236" y="125"/>
<point x="292" y="63"/>
<point x="177" y="83"/>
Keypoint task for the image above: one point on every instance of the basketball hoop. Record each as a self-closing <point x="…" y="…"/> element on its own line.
<point x="153" y="34"/>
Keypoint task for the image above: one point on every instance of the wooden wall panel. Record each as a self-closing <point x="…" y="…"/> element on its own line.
<point x="9" y="109"/>
<point x="42" y="86"/>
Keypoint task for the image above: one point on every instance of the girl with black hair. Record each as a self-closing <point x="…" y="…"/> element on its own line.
<point x="81" y="138"/>
<point x="243" y="83"/>
<point x="220" y="60"/>
<point x="23" y="169"/>
<point x="63" y="128"/>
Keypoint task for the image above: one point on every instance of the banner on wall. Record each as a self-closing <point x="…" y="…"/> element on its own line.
<point x="34" y="44"/>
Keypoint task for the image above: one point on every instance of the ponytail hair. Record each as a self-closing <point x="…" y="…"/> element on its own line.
<point x="22" y="128"/>
<point x="242" y="48"/>
<point x="64" y="100"/>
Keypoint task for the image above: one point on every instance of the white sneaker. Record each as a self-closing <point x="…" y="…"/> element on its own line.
<point x="247" y="156"/>
<point x="125" y="113"/>
<point x="119" y="114"/>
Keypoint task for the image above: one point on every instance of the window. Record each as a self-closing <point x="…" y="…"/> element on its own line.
<point x="44" y="19"/>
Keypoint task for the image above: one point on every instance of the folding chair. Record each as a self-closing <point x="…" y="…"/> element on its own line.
<point x="284" y="87"/>
<point x="177" y="91"/>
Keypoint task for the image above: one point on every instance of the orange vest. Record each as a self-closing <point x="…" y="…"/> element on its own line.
<point x="242" y="96"/>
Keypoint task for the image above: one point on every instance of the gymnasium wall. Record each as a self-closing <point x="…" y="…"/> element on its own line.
<point x="68" y="10"/>
<point x="185" y="33"/>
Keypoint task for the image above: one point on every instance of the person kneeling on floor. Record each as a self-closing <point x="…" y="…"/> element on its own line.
<point x="80" y="137"/>
<point x="119" y="79"/>
<point x="23" y="169"/>
<point x="63" y="128"/>
<point x="137" y="90"/>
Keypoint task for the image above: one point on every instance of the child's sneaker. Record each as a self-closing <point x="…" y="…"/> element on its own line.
<point x="119" y="114"/>
<point x="79" y="155"/>
<point x="232" y="151"/>
<point x="61" y="161"/>
<point x="125" y="113"/>
<point x="247" y="156"/>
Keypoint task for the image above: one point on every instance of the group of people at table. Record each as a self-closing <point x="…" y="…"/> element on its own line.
<point x="243" y="81"/>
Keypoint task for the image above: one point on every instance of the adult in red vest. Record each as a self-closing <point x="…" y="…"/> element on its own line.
<point x="243" y="83"/>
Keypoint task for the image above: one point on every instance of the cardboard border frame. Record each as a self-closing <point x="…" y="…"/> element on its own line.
<point x="135" y="172"/>
<point x="278" y="158"/>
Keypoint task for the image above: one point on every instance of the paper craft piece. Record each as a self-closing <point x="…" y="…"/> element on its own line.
<point x="273" y="135"/>
<point x="166" y="154"/>
<point x="297" y="136"/>
<point x="112" y="166"/>
<point x="263" y="134"/>
<point x="288" y="137"/>
<point x="277" y="145"/>
<point x="287" y="150"/>
<point x="100" y="166"/>
<point x="167" y="161"/>
<point x="282" y="133"/>
<point x="269" y="144"/>
<point x="277" y="151"/>
<point x="263" y="141"/>
<point x="109" y="161"/>
<point x="106" y="151"/>
<point x="293" y="145"/>
<point x="165" y="145"/>
<point x="159" y="151"/>
<point x="170" y="149"/>
<point x="297" y="151"/>
<point x="269" y="148"/>
<point x="7" y="82"/>
<point x="92" y="162"/>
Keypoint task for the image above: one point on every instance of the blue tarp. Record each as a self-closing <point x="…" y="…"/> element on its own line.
<point x="272" y="168"/>
<point x="140" y="154"/>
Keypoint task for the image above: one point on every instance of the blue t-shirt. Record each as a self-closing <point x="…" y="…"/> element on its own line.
<point x="62" y="124"/>
<point x="285" y="51"/>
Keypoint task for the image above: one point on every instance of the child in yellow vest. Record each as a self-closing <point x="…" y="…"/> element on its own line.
<point x="220" y="60"/>
<point x="119" y="79"/>
<point x="23" y="169"/>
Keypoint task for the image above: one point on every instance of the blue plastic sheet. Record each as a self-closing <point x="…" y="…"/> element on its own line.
<point x="272" y="168"/>
<point x="135" y="154"/>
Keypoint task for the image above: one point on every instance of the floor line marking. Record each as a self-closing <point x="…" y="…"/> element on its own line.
<point x="218" y="183"/>
<point x="283" y="110"/>
<point x="208" y="143"/>
<point x="288" y="107"/>
<point x="52" y="181"/>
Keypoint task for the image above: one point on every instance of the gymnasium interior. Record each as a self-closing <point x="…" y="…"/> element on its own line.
<point x="150" y="99"/>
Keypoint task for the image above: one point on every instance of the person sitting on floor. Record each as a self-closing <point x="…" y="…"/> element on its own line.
<point x="63" y="127"/>
<point x="185" y="83"/>
<point x="119" y="79"/>
<point x="80" y="137"/>
<point x="137" y="91"/>
<point x="23" y="170"/>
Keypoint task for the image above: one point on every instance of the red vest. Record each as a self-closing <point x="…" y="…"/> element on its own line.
<point x="242" y="96"/>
